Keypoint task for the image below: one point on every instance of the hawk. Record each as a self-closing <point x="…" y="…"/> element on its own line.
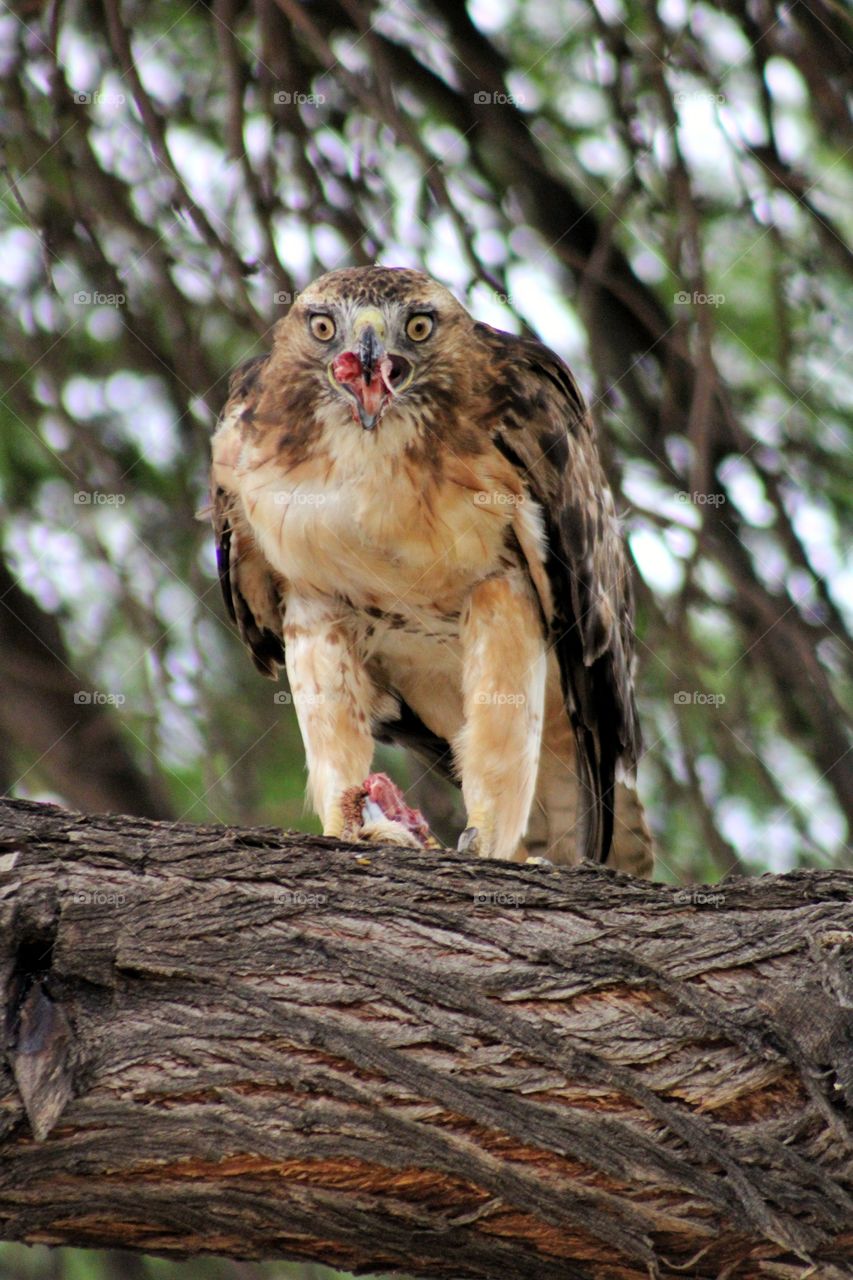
<point x="411" y="517"/>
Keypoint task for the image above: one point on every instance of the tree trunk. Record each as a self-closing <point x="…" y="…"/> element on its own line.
<point x="245" y="1043"/>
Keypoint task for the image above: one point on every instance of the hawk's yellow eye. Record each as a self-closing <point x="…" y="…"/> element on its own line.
<point x="322" y="327"/>
<point x="419" y="327"/>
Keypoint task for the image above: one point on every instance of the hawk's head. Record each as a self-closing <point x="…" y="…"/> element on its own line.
<point x="370" y="338"/>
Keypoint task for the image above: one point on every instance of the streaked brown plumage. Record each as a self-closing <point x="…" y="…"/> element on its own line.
<point x="411" y="514"/>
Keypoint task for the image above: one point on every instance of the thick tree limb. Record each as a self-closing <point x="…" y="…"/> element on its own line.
<point x="260" y="1045"/>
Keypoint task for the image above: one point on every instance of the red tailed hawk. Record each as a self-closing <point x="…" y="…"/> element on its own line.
<point x="411" y="516"/>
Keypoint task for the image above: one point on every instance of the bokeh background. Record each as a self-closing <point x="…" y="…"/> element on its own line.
<point x="661" y="190"/>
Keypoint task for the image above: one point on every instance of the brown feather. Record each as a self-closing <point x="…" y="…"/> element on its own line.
<point x="541" y="424"/>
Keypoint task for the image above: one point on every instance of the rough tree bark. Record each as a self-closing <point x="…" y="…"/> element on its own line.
<point x="245" y="1043"/>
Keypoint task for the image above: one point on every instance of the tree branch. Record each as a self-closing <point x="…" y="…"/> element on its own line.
<point x="76" y="745"/>
<point x="247" y="1043"/>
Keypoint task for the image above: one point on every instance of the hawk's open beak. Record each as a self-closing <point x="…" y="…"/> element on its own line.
<point x="369" y="351"/>
<point x="372" y="392"/>
<point x="370" y="374"/>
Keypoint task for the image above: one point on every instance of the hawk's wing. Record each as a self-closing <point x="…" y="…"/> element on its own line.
<point x="541" y="424"/>
<point x="253" y="591"/>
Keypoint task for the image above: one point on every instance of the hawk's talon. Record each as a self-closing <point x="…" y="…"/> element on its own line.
<point x="469" y="842"/>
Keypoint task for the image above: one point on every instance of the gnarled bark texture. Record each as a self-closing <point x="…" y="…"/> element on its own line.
<point x="246" y="1043"/>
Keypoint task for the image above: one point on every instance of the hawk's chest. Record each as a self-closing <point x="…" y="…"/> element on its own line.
<point x="364" y="522"/>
